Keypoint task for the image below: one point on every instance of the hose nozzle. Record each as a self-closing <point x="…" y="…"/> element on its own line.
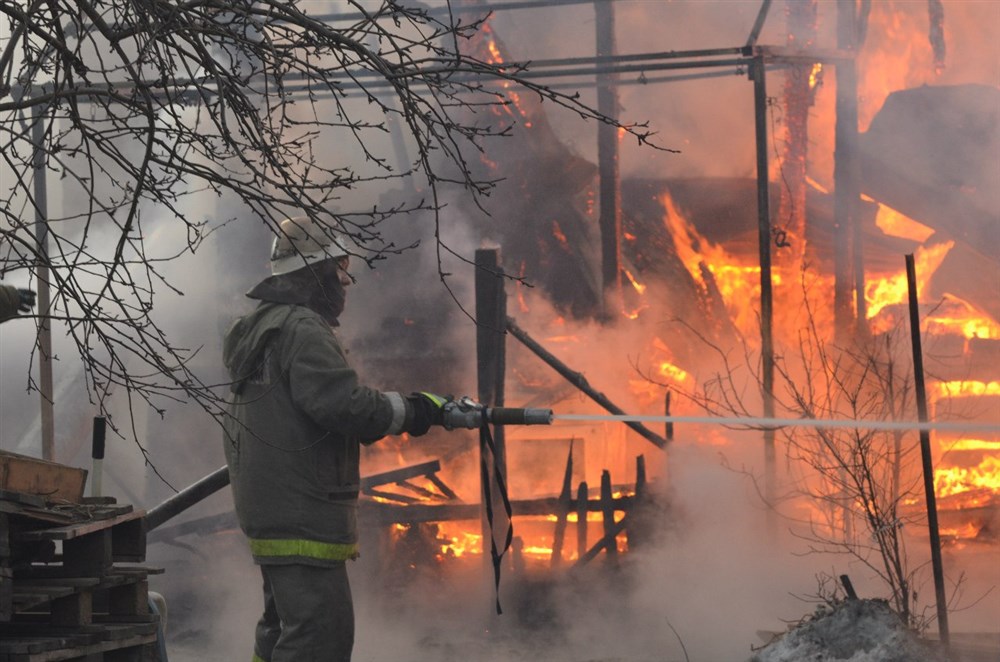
<point x="468" y="414"/>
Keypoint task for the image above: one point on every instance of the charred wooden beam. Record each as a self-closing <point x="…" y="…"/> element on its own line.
<point x="420" y="512"/>
<point x="606" y="542"/>
<point x="759" y="77"/>
<point x="421" y="491"/>
<point x="565" y="503"/>
<point x="582" y="508"/>
<point x="925" y="452"/>
<point x="219" y="478"/>
<point x="426" y="469"/>
<point x="438" y="483"/>
<point x="392" y="496"/>
<point x="578" y="380"/>
<point x="608" y="513"/>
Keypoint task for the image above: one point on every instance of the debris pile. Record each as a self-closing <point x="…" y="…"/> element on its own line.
<point x="850" y="631"/>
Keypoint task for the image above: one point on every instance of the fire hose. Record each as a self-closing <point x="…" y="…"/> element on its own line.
<point x="469" y="414"/>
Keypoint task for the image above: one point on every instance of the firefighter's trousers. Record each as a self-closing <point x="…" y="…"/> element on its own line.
<point x="308" y="615"/>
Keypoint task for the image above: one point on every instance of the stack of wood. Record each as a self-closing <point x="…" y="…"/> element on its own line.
<point x="64" y="591"/>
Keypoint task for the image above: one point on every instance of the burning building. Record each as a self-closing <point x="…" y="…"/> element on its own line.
<point x="751" y="245"/>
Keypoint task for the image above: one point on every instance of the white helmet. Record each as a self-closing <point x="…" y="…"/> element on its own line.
<point x="301" y="242"/>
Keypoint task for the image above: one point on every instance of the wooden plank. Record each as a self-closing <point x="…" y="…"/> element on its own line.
<point x="608" y="512"/>
<point x="20" y="644"/>
<point x="397" y="475"/>
<point x="73" y="610"/>
<point x="22" y="498"/>
<point x="76" y="530"/>
<point x="20" y="473"/>
<point x="54" y="574"/>
<point x="74" y="652"/>
<point x="385" y="513"/>
<point x="88" y="555"/>
<point x="581" y="519"/>
<point x="565" y="502"/>
<point x="6" y="594"/>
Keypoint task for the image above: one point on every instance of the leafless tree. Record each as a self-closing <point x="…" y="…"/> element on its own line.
<point x="855" y="483"/>
<point x="134" y="106"/>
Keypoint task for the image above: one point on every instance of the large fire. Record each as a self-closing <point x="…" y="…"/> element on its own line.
<point x="967" y="473"/>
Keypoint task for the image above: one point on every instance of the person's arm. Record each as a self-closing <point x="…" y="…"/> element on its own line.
<point x="15" y="301"/>
<point x="327" y="389"/>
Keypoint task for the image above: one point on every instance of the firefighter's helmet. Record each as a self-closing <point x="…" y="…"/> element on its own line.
<point x="301" y="242"/>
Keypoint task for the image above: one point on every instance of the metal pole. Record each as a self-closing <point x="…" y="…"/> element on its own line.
<point x="610" y="218"/>
<point x="758" y="24"/>
<point x="44" y="341"/>
<point x="766" y="298"/>
<point x="187" y="497"/>
<point x="925" y="453"/>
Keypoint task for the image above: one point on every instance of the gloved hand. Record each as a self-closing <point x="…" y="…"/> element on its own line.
<point x="27" y="300"/>
<point x="425" y="410"/>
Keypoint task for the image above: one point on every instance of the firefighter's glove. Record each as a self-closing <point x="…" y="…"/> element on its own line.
<point x="27" y="300"/>
<point x="425" y="410"/>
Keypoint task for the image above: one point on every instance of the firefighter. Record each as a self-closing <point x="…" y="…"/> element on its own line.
<point x="15" y="301"/>
<point x="297" y="418"/>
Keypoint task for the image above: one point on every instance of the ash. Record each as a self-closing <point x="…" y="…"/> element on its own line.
<point x="851" y="631"/>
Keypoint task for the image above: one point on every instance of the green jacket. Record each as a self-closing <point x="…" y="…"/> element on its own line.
<point x="293" y="432"/>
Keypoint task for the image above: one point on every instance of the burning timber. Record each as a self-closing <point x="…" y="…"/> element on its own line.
<point x="384" y="506"/>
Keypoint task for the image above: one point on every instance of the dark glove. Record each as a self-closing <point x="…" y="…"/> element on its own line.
<point x="426" y="409"/>
<point x="27" y="300"/>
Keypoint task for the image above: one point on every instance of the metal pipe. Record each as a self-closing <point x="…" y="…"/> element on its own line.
<point x="471" y="9"/>
<point x="187" y="497"/>
<point x="758" y="24"/>
<point x="925" y="452"/>
<point x="579" y="381"/>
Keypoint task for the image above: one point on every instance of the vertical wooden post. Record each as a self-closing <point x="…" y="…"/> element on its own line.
<point x="607" y="160"/>
<point x="846" y="188"/>
<point x="582" y="494"/>
<point x="565" y="499"/>
<point x="757" y="73"/>
<point x="42" y="287"/>
<point x="640" y="476"/>
<point x="491" y="323"/>
<point x="637" y="514"/>
<point x="925" y="453"/>
<point x="608" y="515"/>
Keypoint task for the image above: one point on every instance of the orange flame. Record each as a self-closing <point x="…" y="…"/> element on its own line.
<point x="959" y="389"/>
<point x="896" y="224"/>
<point x="737" y="283"/>
<point x="891" y="290"/>
<point x="949" y="481"/>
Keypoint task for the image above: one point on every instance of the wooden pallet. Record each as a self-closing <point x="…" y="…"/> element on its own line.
<point x="65" y="593"/>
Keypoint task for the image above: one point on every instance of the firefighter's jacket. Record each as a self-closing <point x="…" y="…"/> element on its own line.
<point x="297" y="417"/>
